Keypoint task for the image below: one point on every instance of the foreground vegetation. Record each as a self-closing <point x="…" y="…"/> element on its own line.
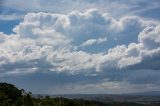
<point x="12" y="96"/>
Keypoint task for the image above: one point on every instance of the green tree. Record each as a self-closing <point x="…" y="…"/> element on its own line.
<point x="28" y="101"/>
<point x="12" y="95"/>
<point x="3" y="99"/>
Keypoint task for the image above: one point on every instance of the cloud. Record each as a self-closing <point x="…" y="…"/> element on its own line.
<point x="4" y="17"/>
<point x="46" y="42"/>
<point x="93" y="41"/>
<point x="126" y="7"/>
<point x="150" y="38"/>
<point x="136" y="53"/>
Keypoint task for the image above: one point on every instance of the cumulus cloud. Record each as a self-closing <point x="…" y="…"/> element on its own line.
<point x="93" y="41"/>
<point x="136" y="53"/>
<point x="46" y="42"/>
<point x="150" y="37"/>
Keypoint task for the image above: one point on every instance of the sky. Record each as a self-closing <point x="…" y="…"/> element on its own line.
<point x="80" y="46"/>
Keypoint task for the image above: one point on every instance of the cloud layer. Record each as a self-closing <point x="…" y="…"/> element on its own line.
<point x="144" y="8"/>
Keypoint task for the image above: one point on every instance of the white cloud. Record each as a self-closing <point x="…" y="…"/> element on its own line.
<point x="93" y="41"/>
<point x="45" y="41"/>
<point x="101" y="40"/>
<point x="147" y="48"/>
<point x="150" y="37"/>
<point x="89" y="42"/>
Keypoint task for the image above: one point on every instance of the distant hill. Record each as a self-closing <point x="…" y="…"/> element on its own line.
<point x="151" y="93"/>
<point x="105" y="98"/>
